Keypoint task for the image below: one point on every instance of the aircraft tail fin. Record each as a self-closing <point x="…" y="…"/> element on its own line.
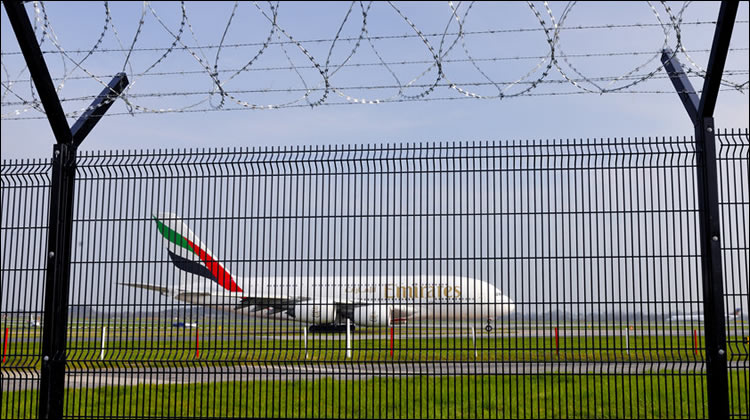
<point x="189" y="254"/>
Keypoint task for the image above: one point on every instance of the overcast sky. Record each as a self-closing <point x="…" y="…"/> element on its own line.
<point x="77" y="27"/>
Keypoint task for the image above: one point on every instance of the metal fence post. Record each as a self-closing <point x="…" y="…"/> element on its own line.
<point x="54" y="334"/>
<point x="707" y="187"/>
<point x="62" y="188"/>
<point x="717" y="383"/>
<point x="701" y="113"/>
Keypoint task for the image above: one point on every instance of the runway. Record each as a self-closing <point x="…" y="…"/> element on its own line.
<point x="210" y="372"/>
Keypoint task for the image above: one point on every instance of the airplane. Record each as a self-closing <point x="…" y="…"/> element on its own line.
<point x="734" y="316"/>
<point x="324" y="302"/>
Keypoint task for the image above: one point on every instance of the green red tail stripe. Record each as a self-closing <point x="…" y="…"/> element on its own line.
<point x="222" y="276"/>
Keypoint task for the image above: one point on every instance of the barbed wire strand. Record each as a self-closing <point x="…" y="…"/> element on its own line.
<point x="438" y="46"/>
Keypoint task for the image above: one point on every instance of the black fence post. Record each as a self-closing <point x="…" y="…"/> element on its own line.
<point x="62" y="189"/>
<point x="701" y="112"/>
<point x="54" y="334"/>
<point x="717" y="381"/>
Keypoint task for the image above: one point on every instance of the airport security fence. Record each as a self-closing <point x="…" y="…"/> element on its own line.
<point x="551" y="279"/>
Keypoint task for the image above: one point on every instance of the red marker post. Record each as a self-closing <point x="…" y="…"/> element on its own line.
<point x="5" y="345"/>
<point x="557" y="343"/>
<point x="391" y="341"/>
<point x="197" y="343"/>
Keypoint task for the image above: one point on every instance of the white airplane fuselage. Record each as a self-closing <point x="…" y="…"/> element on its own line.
<point x="416" y="297"/>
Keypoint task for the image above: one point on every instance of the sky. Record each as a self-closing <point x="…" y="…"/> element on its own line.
<point x="590" y="115"/>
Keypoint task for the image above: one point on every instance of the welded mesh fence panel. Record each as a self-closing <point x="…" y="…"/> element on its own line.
<point x="734" y="203"/>
<point x="25" y="198"/>
<point x="516" y="279"/>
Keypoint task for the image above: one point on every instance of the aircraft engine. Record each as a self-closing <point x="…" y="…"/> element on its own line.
<point x="372" y="316"/>
<point x="315" y="312"/>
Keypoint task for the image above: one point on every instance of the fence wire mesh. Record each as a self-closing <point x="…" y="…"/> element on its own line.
<point x="491" y="279"/>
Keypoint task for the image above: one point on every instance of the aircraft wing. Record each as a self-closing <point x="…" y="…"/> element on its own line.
<point x="259" y="303"/>
<point x="281" y="304"/>
<point x="276" y="304"/>
<point x="163" y="290"/>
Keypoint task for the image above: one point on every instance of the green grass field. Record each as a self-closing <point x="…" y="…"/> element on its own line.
<point x="559" y="395"/>
<point x="532" y="396"/>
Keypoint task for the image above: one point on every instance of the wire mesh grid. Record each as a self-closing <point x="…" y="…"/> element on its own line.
<point x="555" y="278"/>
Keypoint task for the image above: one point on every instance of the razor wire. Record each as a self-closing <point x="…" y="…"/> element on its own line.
<point x="427" y="79"/>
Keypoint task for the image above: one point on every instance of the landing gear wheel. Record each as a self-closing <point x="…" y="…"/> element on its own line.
<point x="488" y="328"/>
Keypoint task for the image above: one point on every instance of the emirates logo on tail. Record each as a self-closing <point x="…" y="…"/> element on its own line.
<point x="189" y="254"/>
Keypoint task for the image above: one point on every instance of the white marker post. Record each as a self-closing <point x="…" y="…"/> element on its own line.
<point x="348" y="339"/>
<point x="474" y="341"/>
<point x="104" y="342"/>
<point x="627" y="341"/>
<point x="304" y="330"/>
